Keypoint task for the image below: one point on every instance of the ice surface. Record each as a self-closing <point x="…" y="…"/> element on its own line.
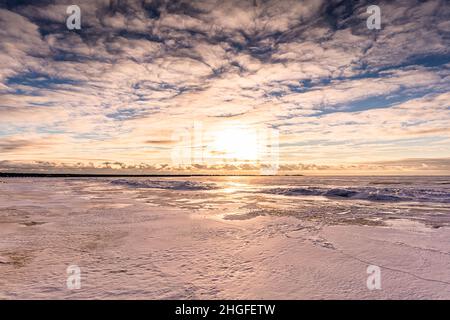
<point x="225" y="237"/>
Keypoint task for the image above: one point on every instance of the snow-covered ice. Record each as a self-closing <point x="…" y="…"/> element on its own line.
<point x="225" y="237"/>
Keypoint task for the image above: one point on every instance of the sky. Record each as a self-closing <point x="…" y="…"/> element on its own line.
<point x="209" y="86"/>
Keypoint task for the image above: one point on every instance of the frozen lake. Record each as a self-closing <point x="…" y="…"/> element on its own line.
<point x="225" y="237"/>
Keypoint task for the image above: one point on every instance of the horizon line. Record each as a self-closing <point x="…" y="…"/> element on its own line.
<point x="107" y="175"/>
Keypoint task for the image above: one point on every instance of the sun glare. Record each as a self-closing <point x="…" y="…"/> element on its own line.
<point x="235" y="143"/>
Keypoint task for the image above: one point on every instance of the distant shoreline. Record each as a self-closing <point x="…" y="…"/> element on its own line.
<point x="85" y="175"/>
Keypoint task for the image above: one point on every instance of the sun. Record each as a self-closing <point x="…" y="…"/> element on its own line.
<point x="235" y="143"/>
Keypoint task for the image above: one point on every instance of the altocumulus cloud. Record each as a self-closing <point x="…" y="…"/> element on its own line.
<point x="341" y="95"/>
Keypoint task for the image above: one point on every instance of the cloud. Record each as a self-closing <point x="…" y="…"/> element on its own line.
<point x="419" y="166"/>
<point x="163" y="142"/>
<point x="139" y="71"/>
<point x="13" y="145"/>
